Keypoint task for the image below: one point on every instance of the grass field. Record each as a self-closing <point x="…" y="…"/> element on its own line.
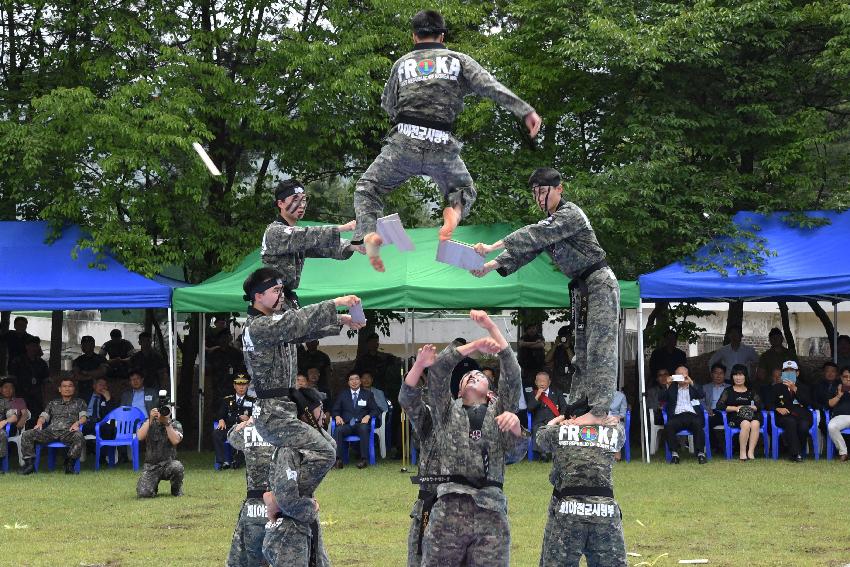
<point x="761" y="513"/>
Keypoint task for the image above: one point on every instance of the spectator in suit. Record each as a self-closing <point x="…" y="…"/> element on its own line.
<point x="138" y="395"/>
<point x="667" y="355"/>
<point x="545" y="403"/>
<point x="826" y="388"/>
<point x="99" y="405"/>
<point x="380" y="399"/>
<point x="153" y="366"/>
<point x="31" y="373"/>
<point x="465" y="365"/>
<point x="743" y="406"/>
<point x="655" y="395"/>
<point x="88" y="367"/>
<point x="353" y="410"/>
<point x="790" y="401"/>
<point x="684" y="411"/>
<point x="117" y="351"/>
<point x="713" y="390"/>
<point x="839" y="409"/>
<point x="233" y="409"/>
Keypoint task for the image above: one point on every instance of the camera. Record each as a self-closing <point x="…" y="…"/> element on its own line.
<point x="164" y="407"/>
<point x="677" y="378"/>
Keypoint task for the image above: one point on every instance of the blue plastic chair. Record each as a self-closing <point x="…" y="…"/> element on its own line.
<point x="813" y="433"/>
<point x="127" y="420"/>
<point x="228" y="450"/>
<point x="5" y="462"/>
<point x="830" y="446"/>
<point x="51" y="455"/>
<point x="729" y="432"/>
<point x="626" y="446"/>
<point x="356" y="439"/>
<point x="530" y="444"/>
<point x="412" y="454"/>
<point x="687" y="433"/>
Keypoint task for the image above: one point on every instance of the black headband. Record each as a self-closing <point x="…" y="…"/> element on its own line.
<point x="288" y="191"/>
<point x="262" y="286"/>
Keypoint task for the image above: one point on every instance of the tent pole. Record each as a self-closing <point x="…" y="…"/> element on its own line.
<point x="621" y="350"/>
<point x="642" y="386"/>
<point x="202" y="365"/>
<point x="406" y="342"/>
<point x="835" y="332"/>
<point x="172" y="362"/>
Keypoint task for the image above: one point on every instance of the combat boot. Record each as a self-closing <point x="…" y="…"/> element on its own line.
<point x="28" y="467"/>
<point x="177" y="488"/>
<point x="69" y="467"/>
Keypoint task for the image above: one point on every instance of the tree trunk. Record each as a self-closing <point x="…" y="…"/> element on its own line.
<point x="827" y="325"/>
<point x="735" y="319"/>
<point x="55" y="363"/>
<point x="5" y="318"/>
<point x="786" y="328"/>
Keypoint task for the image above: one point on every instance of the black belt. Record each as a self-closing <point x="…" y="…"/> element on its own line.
<point x="255" y="493"/>
<point x="424" y="122"/>
<point x="455" y="478"/>
<point x="583" y="491"/>
<point x="428" y="499"/>
<point x="586" y="273"/>
<point x="273" y="393"/>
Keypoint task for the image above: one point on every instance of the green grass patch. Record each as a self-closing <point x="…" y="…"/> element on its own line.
<point x="761" y="513"/>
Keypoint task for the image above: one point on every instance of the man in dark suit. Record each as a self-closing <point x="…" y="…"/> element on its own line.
<point x="353" y="410"/>
<point x="138" y="396"/>
<point x="684" y="411"/>
<point x="233" y="409"/>
<point x="545" y="404"/>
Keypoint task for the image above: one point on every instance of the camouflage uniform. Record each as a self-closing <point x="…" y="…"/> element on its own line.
<point x="6" y="412"/>
<point x="423" y="96"/>
<point x="470" y="518"/>
<point x="295" y="538"/>
<point x="595" y="296"/>
<point x="285" y="248"/>
<point x="59" y="416"/>
<point x="160" y="462"/>
<point x="581" y="522"/>
<point x="269" y="345"/>
<point x="246" y="548"/>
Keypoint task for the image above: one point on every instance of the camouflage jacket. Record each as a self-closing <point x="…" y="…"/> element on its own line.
<point x="158" y="449"/>
<point x="566" y="235"/>
<point x="269" y="342"/>
<point x="258" y="455"/>
<point x="582" y="456"/>
<point x="8" y="412"/>
<point x="285" y="247"/>
<point x="59" y="414"/>
<point x="430" y="82"/>
<point x="463" y="452"/>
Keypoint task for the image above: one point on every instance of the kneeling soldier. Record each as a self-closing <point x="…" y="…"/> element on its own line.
<point x="162" y="436"/>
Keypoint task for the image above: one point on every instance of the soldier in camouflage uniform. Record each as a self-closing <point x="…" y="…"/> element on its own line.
<point x="269" y="344"/>
<point x="246" y="548"/>
<point x="584" y="519"/>
<point x="474" y="435"/>
<point x="294" y="534"/>
<point x="161" y="435"/>
<point x="566" y="235"/>
<point x="423" y="97"/>
<point x="7" y="415"/>
<point x="65" y="417"/>
<point x="285" y="245"/>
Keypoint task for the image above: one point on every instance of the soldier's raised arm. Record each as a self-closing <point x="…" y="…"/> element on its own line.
<point x="298" y="325"/>
<point x="482" y="83"/>
<point x="524" y="244"/>
<point x="410" y="397"/>
<point x="312" y="241"/>
<point x="389" y="97"/>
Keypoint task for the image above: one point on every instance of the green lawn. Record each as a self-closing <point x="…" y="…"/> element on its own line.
<point x="761" y="513"/>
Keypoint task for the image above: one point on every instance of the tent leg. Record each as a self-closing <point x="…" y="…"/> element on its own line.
<point x="642" y="386"/>
<point x="202" y="365"/>
<point x="621" y="350"/>
<point x="835" y="332"/>
<point x="406" y="343"/>
<point x="172" y="362"/>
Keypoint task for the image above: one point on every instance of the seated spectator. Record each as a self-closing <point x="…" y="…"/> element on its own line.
<point x="101" y="403"/>
<point x="88" y="367"/>
<point x="618" y="409"/>
<point x="465" y="365"/>
<point x="301" y="381"/>
<point x="684" y="411"/>
<point x="545" y="403"/>
<point x="161" y="436"/>
<point x="743" y="406"/>
<point x="734" y="353"/>
<point x="655" y="398"/>
<point x="64" y="417"/>
<point x="153" y="366"/>
<point x="667" y="355"/>
<point x="825" y="389"/>
<point x="233" y="409"/>
<point x="8" y="415"/>
<point x="380" y="399"/>
<point x="138" y="395"/>
<point x="773" y="357"/>
<point x="352" y="412"/>
<point x="7" y="391"/>
<point x="117" y="351"/>
<point x="31" y="373"/>
<point x="559" y="359"/>
<point x="311" y="357"/>
<point x="713" y="390"/>
<point x="790" y="402"/>
<point x="839" y="410"/>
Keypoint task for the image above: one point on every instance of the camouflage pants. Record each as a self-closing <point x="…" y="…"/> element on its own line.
<point x="73" y="439"/>
<point x="246" y="547"/>
<point x="571" y="533"/>
<point x="597" y="353"/>
<point x="148" y="484"/>
<point x="402" y="158"/>
<point x="459" y="529"/>
<point x="287" y="544"/>
<point x="276" y="421"/>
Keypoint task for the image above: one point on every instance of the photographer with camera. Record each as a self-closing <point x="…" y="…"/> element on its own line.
<point x="839" y="409"/>
<point x="559" y="359"/>
<point x="684" y="411"/>
<point x="162" y="435"/>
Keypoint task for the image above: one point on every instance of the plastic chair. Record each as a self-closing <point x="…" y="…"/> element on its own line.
<point x="381" y="432"/>
<point x="627" y="450"/>
<point x="653" y="434"/>
<point x="17" y="439"/>
<point x="412" y="454"/>
<point x="5" y="462"/>
<point x="830" y="446"/>
<point x="228" y="450"/>
<point x="813" y="433"/>
<point x="686" y="432"/>
<point x="127" y="420"/>
<point x="729" y="432"/>
<point x="356" y="439"/>
<point x="530" y="440"/>
<point x="51" y="455"/>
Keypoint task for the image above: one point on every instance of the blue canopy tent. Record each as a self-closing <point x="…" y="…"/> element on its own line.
<point x="38" y="275"/>
<point x="804" y="264"/>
